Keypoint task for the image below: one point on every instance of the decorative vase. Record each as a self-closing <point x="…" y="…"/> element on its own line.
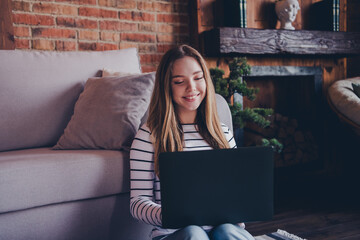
<point x="286" y="11"/>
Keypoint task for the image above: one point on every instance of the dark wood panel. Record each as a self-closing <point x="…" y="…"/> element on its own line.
<point x="269" y="41"/>
<point x="6" y="25"/>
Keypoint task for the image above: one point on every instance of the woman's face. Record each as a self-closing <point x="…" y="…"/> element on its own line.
<point x="188" y="88"/>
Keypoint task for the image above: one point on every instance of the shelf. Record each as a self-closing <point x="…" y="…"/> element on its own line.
<point x="248" y="41"/>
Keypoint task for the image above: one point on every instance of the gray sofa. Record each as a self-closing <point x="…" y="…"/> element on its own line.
<point x="74" y="193"/>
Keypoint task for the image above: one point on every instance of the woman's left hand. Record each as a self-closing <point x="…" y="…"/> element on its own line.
<point x="242" y="225"/>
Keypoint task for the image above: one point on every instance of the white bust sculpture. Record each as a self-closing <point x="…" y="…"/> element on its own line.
<point x="286" y="11"/>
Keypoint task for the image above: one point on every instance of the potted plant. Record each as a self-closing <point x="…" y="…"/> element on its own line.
<point x="233" y="88"/>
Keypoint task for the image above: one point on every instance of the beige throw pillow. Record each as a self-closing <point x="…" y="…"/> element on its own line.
<point x="108" y="113"/>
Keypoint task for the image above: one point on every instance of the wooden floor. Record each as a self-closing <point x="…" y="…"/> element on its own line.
<point x="315" y="208"/>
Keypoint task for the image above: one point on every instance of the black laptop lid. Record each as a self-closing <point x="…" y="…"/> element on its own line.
<point x="216" y="186"/>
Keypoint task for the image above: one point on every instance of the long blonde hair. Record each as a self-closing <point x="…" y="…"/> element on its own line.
<point x="164" y="124"/>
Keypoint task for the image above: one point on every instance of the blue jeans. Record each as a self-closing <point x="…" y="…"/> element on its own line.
<point x="225" y="231"/>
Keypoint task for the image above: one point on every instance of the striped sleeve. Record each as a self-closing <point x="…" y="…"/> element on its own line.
<point x="229" y="136"/>
<point x="142" y="180"/>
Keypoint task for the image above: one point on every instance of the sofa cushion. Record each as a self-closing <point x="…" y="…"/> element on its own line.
<point x="108" y="113"/>
<point x="38" y="91"/>
<point x="37" y="177"/>
<point x="345" y="100"/>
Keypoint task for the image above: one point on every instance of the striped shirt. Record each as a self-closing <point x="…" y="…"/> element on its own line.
<point x="145" y="200"/>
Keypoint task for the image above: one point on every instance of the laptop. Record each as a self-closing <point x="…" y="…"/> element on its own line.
<point x="213" y="187"/>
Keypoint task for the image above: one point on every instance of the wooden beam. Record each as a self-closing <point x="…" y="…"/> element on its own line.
<point x="222" y="41"/>
<point x="6" y="25"/>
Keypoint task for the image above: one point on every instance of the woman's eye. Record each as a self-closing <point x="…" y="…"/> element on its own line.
<point x="199" y="78"/>
<point x="178" y="82"/>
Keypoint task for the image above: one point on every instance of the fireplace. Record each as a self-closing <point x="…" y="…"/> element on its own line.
<point x="325" y="50"/>
<point x="295" y="94"/>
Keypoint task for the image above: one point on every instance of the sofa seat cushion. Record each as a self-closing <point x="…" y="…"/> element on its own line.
<point x="37" y="177"/>
<point x="345" y="100"/>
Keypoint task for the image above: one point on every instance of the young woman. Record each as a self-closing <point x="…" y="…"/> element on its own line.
<point x="182" y="117"/>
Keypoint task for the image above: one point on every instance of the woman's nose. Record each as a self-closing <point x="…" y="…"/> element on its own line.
<point x="191" y="85"/>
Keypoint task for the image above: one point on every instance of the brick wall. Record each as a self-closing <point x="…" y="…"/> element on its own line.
<point x="92" y="25"/>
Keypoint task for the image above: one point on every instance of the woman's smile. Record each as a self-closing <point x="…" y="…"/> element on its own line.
<point x="192" y="98"/>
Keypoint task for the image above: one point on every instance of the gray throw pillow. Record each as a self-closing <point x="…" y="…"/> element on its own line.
<point x="356" y="88"/>
<point x="108" y="113"/>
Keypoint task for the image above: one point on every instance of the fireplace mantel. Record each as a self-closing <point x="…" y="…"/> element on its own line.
<point x="247" y="41"/>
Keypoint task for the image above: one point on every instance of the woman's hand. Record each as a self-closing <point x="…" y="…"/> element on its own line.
<point x="242" y="225"/>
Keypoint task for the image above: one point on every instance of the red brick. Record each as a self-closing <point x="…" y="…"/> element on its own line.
<point x="123" y="4"/>
<point x="21" y="31"/>
<point x="20" y="6"/>
<point x="162" y="48"/>
<point x="22" y="43"/>
<point x="95" y="12"/>
<point x="53" y="33"/>
<point x="147" y="48"/>
<point x="171" y="18"/>
<point x="168" y="28"/>
<point x="125" y="15"/>
<point x="124" y="45"/>
<point x="110" y="36"/>
<point x="167" y="38"/>
<point x="147" y="27"/>
<point x="177" y="1"/>
<point x="65" y="22"/>
<point x="84" y="46"/>
<point x="146" y="6"/>
<point x="30" y="19"/>
<point x="130" y="27"/>
<point x="79" y="2"/>
<point x="171" y="38"/>
<point x="150" y="58"/>
<point x="88" y="35"/>
<point x="165" y="28"/>
<point x="155" y="6"/>
<point x="137" y="37"/>
<point x="42" y="44"/>
<point x="85" y="23"/>
<point x="52" y="8"/>
<point x="108" y="14"/>
<point x="148" y="68"/>
<point x="110" y="25"/>
<point x="65" y="45"/>
<point x="163" y="7"/>
<point x="118" y="26"/>
<point x="43" y="1"/>
<point x="87" y="47"/>
<point x="75" y="22"/>
<point x="142" y="16"/>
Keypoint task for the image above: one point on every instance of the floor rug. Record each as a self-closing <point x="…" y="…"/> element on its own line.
<point x="279" y="235"/>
